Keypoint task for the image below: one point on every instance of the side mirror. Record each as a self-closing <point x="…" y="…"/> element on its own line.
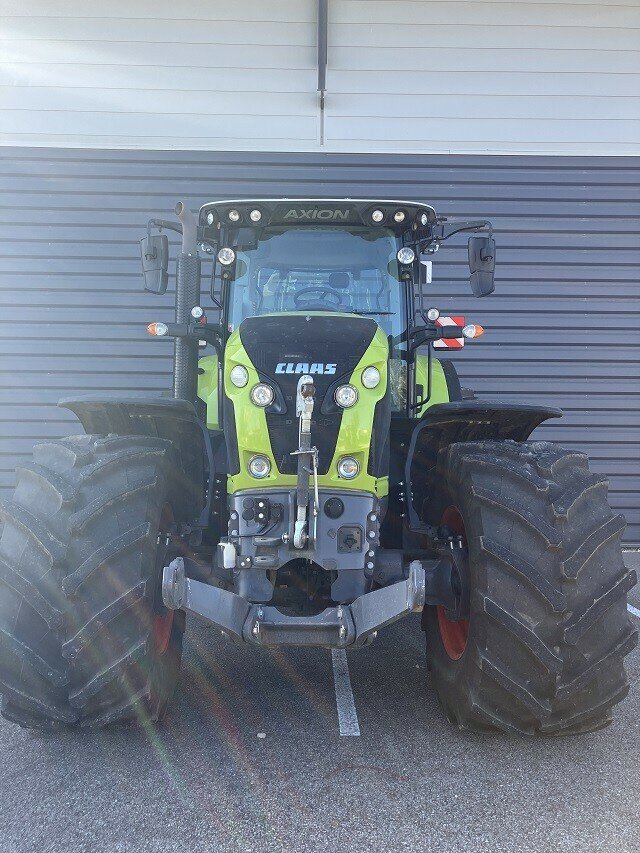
<point x="482" y="264"/>
<point x="154" y="251"/>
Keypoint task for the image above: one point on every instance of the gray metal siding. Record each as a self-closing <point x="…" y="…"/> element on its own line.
<point x="562" y="327"/>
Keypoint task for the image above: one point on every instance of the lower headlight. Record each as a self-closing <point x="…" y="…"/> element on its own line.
<point x="371" y="377"/>
<point x="348" y="468"/>
<point x="262" y="395"/>
<point x="259" y="467"/>
<point x="346" y="396"/>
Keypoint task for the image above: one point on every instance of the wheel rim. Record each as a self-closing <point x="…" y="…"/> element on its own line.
<point x="453" y="634"/>
<point x="162" y="625"/>
<point x="162" y="621"/>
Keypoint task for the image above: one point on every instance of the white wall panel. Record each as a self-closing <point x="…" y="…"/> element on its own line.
<point x="159" y="75"/>
<point x="484" y="77"/>
<point x="465" y="76"/>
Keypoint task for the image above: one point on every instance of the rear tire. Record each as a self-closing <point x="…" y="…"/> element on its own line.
<point x="84" y="637"/>
<point x="549" y="627"/>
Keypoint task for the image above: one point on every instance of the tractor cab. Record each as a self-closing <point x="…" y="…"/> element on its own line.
<point x="343" y="257"/>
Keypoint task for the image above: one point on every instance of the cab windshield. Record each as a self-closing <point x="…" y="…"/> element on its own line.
<point x="319" y="268"/>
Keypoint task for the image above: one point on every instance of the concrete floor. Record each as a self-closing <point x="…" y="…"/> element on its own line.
<point x="207" y="780"/>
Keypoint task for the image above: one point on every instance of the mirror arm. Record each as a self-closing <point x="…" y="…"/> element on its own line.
<point x="163" y="223"/>
<point x="446" y="228"/>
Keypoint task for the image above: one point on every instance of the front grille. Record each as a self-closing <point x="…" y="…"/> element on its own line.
<point x="305" y="339"/>
<point x="283" y="433"/>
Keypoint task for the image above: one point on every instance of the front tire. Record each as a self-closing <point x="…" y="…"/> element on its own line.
<point x="84" y="637"/>
<point x="548" y="627"/>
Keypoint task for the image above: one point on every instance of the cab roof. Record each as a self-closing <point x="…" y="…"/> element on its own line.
<point x="399" y="215"/>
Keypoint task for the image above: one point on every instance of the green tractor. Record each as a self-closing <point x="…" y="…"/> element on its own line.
<point x="317" y="474"/>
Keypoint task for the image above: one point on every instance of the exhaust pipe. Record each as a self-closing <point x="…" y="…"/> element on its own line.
<point x="189" y="229"/>
<point x="185" y="352"/>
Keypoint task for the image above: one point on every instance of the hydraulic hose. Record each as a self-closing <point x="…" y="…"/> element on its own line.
<point x="185" y="352"/>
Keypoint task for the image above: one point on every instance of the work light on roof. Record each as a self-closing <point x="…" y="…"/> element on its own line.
<point x="377" y="215"/>
<point x="255" y="216"/>
<point x="423" y="219"/>
<point x="234" y="215"/>
<point x="399" y="216"/>
<point x="210" y="218"/>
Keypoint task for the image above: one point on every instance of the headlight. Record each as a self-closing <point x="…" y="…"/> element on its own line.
<point x="406" y="255"/>
<point x="234" y="216"/>
<point x="259" y="467"/>
<point x="348" y="468"/>
<point x="371" y="377"/>
<point x="226" y="256"/>
<point x="239" y="376"/>
<point x="346" y="396"/>
<point x="255" y="216"/>
<point x="262" y="395"/>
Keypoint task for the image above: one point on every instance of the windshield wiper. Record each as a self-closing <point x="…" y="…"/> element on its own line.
<point x="377" y="313"/>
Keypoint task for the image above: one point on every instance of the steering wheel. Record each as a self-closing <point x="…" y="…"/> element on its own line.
<point x="323" y="293"/>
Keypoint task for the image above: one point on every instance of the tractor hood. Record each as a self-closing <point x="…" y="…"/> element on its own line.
<point x="333" y="349"/>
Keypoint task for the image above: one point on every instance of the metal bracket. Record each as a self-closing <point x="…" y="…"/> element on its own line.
<point x="381" y="607"/>
<point x="174" y="584"/>
<point x="336" y="627"/>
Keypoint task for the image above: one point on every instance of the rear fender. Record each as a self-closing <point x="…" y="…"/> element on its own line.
<point x="465" y="420"/>
<point x="162" y="417"/>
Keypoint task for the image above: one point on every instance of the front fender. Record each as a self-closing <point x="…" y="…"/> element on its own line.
<point x="159" y="417"/>
<point x="464" y="420"/>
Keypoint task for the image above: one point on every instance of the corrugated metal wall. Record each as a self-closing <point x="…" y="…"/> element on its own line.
<point x="525" y="76"/>
<point x="562" y="327"/>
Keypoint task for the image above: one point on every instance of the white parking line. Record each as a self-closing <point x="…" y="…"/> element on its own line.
<point x="347" y="714"/>
<point x="633" y="610"/>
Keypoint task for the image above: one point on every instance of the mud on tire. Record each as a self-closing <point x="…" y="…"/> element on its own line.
<point x="549" y="626"/>
<point x="80" y="556"/>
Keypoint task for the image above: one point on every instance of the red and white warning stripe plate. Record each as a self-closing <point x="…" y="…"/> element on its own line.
<point x="449" y="343"/>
